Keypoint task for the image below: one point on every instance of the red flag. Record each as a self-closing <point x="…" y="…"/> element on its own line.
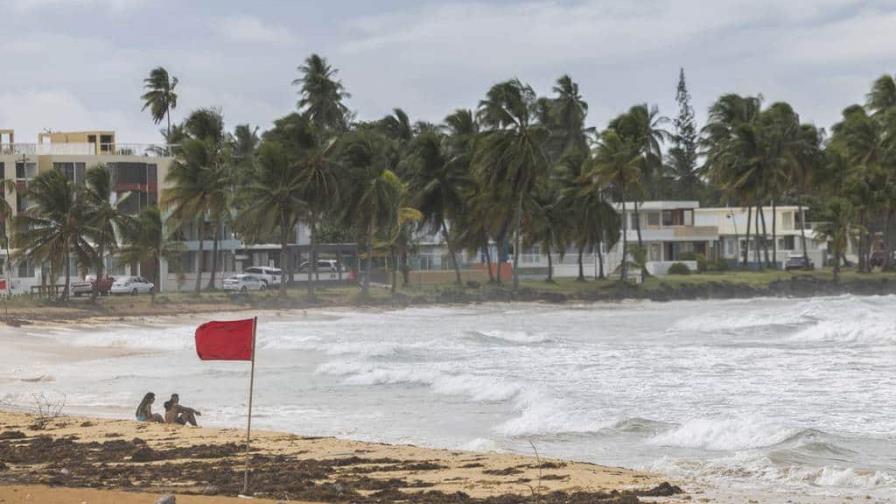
<point x="233" y="340"/>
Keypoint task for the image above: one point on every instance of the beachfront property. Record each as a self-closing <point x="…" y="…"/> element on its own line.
<point x="135" y="168"/>
<point x="790" y="226"/>
<point x="139" y="170"/>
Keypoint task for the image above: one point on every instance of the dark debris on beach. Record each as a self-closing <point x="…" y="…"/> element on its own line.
<point x="218" y="470"/>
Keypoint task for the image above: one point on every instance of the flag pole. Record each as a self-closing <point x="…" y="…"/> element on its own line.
<point x="249" y="419"/>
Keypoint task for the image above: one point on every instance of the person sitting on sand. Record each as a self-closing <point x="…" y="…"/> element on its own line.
<point x="144" y="411"/>
<point x="175" y="413"/>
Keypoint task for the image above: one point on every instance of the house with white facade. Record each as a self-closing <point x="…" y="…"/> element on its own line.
<point x="790" y="228"/>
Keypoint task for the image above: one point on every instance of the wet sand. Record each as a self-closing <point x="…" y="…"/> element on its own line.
<point x="70" y="454"/>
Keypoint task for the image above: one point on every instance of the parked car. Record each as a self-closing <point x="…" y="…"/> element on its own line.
<point x="323" y="266"/>
<point x="798" y="263"/>
<point x="879" y="257"/>
<point x="270" y="276"/>
<point x="243" y="283"/>
<point x="131" y="285"/>
<point x="80" y="287"/>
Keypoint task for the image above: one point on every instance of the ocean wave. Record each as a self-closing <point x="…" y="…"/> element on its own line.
<point x="544" y="416"/>
<point x="480" y="388"/>
<point x="718" y="434"/>
<point x="866" y="327"/>
<point x="509" y="337"/>
<point x="481" y="445"/>
<point x="640" y="425"/>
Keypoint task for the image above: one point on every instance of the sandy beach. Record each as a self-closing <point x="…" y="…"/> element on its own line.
<point x="70" y="459"/>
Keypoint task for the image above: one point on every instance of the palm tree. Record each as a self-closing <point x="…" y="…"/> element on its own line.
<point x="438" y="183"/>
<point x="617" y="162"/>
<point x="107" y="218"/>
<point x="642" y="126"/>
<point x="835" y="226"/>
<point x="732" y="146"/>
<point x="882" y="97"/>
<point x="318" y="186"/>
<point x="272" y="197"/>
<point x="510" y="158"/>
<point x="322" y="95"/>
<point x="160" y="97"/>
<point x="198" y="190"/>
<point x="52" y="229"/>
<point x="371" y="190"/>
<point x="144" y="240"/>
<point x="7" y="186"/>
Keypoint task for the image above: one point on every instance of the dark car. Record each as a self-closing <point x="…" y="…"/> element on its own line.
<point x="798" y="263"/>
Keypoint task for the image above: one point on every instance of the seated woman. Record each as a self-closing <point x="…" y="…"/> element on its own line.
<point x="175" y="413"/>
<point x="144" y="411"/>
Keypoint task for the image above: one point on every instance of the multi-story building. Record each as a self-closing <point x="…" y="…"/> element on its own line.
<point x="135" y="169"/>
<point x="790" y="227"/>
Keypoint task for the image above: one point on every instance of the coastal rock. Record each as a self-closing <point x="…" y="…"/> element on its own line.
<point x="144" y="454"/>
<point x="167" y="499"/>
<point x="12" y="434"/>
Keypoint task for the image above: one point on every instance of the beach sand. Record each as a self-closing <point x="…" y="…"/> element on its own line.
<point x="70" y="459"/>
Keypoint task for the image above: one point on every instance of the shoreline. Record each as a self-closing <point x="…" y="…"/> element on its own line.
<point x="67" y="454"/>
<point x="685" y="288"/>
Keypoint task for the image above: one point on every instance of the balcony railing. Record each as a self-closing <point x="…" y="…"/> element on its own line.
<point x="86" y="149"/>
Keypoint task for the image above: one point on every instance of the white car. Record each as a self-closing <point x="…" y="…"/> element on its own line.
<point x="270" y="276"/>
<point x="243" y="283"/>
<point x="131" y="285"/>
<point x="323" y="266"/>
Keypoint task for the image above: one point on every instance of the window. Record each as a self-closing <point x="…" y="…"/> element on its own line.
<point x="2" y="170"/>
<point x="633" y="219"/>
<point x="25" y="170"/>
<point x="688" y="217"/>
<point x="74" y="172"/>
<point x="653" y="218"/>
<point x="26" y="269"/>
<point x="787" y="220"/>
<point x="667" y="217"/>
<point x="786" y="243"/>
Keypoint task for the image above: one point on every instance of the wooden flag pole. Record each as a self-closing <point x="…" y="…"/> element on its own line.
<point x="249" y="419"/>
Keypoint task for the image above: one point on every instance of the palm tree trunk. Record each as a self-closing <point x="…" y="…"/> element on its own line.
<point x="405" y="268"/>
<point x="68" y="270"/>
<point x="887" y="245"/>
<point x="211" y="280"/>
<point x="756" y="256"/>
<point x="516" y="242"/>
<point x="764" y="239"/>
<point x="862" y="263"/>
<point x="365" y="286"/>
<point x="284" y="249"/>
<point x="550" y="278"/>
<point x="312" y="259"/>
<point x="600" y="261"/>
<point x="451" y="251"/>
<point x="774" y="234"/>
<point x="488" y="263"/>
<point x="623" y="273"/>
<point x="747" y="238"/>
<point x="200" y="258"/>
<point x="100" y="266"/>
<point x="799" y="204"/>
<point x="581" y="277"/>
<point x="637" y="215"/>
<point x="393" y="262"/>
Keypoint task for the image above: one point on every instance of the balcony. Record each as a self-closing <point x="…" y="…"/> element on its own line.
<point x="85" y="149"/>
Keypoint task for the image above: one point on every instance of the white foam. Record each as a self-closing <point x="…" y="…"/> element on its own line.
<point x="481" y="388"/>
<point x="522" y="337"/>
<point x="481" y="445"/>
<point x="724" y="434"/>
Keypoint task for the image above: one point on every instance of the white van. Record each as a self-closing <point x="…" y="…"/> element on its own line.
<point x="270" y="276"/>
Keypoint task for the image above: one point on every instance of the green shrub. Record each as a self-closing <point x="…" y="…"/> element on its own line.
<point x="679" y="269"/>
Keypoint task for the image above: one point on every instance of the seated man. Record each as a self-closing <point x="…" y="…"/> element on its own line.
<point x="175" y="413"/>
<point x="144" y="411"/>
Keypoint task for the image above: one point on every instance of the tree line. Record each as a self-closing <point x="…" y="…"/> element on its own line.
<point x="518" y="170"/>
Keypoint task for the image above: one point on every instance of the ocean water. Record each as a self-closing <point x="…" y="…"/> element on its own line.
<point x="786" y="395"/>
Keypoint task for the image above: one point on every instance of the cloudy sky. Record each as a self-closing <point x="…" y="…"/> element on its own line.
<point x="79" y="64"/>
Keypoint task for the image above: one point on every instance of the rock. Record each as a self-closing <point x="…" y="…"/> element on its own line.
<point x="64" y="472"/>
<point x="12" y="435"/>
<point x="210" y="490"/>
<point x="144" y="454"/>
<point x="3" y="467"/>
<point x="167" y="499"/>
